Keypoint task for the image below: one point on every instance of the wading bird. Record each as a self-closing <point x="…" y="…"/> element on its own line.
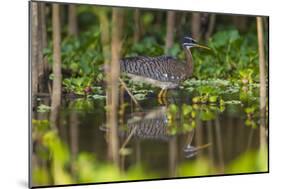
<point x="165" y="72"/>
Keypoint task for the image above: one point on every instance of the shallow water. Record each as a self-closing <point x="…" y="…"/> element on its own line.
<point x="159" y="141"/>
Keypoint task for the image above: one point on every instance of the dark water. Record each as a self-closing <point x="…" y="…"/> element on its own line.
<point x="207" y="141"/>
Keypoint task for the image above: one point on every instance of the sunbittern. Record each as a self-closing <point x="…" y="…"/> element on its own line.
<point x="165" y="72"/>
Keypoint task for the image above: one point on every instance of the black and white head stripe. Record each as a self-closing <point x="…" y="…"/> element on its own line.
<point x="188" y="42"/>
<point x="190" y="39"/>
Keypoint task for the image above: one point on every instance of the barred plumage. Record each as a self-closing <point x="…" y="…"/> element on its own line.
<point x="152" y="125"/>
<point x="165" y="72"/>
<point x="164" y="69"/>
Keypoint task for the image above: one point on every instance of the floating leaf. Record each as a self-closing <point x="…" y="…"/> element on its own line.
<point x="43" y="108"/>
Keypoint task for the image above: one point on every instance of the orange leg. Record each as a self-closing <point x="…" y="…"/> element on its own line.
<point x="160" y="94"/>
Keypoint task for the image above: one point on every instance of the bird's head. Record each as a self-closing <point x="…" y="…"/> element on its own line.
<point x="188" y="42"/>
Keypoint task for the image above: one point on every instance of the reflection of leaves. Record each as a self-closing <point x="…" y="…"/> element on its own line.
<point x="40" y="125"/>
<point x="82" y="104"/>
<point x="173" y="108"/>
<point x="250" y="110"/>
<point x="186" y="109"/>
<point x="233" y="102"/>
<point x="207" y="115"/>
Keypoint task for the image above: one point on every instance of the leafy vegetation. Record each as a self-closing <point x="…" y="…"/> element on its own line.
<point x="225" y="80"/>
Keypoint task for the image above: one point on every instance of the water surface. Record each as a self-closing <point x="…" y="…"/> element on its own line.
<point x="176" y="139"/>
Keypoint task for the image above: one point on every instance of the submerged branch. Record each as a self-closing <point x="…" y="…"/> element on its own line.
<point x="128" y="91"/>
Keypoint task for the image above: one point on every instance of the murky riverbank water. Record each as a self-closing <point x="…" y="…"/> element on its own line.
<point x="176" y="139"/>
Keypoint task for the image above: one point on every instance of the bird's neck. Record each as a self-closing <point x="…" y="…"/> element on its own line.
<point x="189" y="62"/>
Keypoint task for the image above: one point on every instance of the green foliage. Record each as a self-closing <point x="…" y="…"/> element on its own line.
<point x="225" y="76"/>
<point x="188" y="114"/>
<point x="196" y="168"/>
<point x="83" y="55"/>
<point x="82" y="104"/>
<point x="82" y="58"/>
<point x="231" y="52"/>
<point x="87" y="168"/>
<point x="148" y="46"/>
<point x="43" y="108"/>
<point x="249" y="162"/>
<point x="40" y="176"/>
<point x="213" y="91"/>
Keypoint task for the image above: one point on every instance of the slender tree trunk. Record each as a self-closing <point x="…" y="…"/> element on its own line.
<point x="158" y="20"/>
<point x="117" y="25"/>
<point x="211" y="141"/>
<point x="199" y="134"/>
<point x="195" y="26"/>
<point x="240" y="22"/>
<point x="105" y="40"/>
<point x="170" y="31"/>
<point x="136" y="25"/>
<point x="211" y="26"/>
<point x="56" y="92"/>
<point x="173" y="156"/>
<point x="40" y="49"/>
<point x="262" y="84"/>
<point x="72" y="21"/>
<point x="44" y="66"/>
<point x="219" y="144"/>
<point x="262" y="66"/>
<point x="74" y="142"/>
<point x="34" y="50"/>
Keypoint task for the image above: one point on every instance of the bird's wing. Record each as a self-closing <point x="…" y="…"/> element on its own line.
<point x="162" y="68"/>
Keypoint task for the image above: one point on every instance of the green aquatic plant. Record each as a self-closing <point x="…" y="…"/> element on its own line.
<point x="88" y="168"/>
<point x="231" y="52"/>
<point x="43" y="108"/>
<point x="249" y="162"/>
<point x="182" y="119"/>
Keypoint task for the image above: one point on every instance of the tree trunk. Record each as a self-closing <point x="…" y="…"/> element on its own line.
<point x="261" y="65"/>
<point x="136" y="25"/>
<point x="74" y="140"/>
<point x="262" y="85"/>
<point x="170" y="31"/>
<point x="105" y="40"/>
<point x="173" y="156"/>
<point x="40" y="49"/>
<point x="56" y="91"/>
<point x="195" y="26"/>
<point x="158" y="20"/>
<point x="219" y="145"/>
<point x="240" y="22"/>
<point x="34" y="46"/>
<point x="46" y="66"/>
<point x="72" y="21"/>
<point x="211" y="26"/>
<point x="117" y="25"/>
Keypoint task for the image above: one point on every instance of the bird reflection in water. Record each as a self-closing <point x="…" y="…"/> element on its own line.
<point x="154" y="125"/>
<point x="189" y="150"/>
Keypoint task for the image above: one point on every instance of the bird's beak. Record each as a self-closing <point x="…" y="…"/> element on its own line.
<point x="201" y="46"/>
